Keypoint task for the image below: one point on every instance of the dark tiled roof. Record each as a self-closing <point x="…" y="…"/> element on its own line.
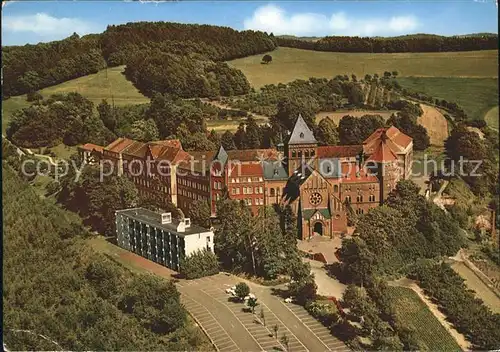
<point x="238" y="170"/>
<point x="221" y="155"/>
<point x="274" y="170"/>
<point x="292" y="188"/>
<point x="339" y="151"/>
<point x="330" y="167"/>
<point x="151" y="218"/>
<point x="252" y="155"/>
<point x="302" y="134"/>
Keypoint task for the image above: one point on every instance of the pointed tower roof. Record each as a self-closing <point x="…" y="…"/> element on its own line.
<point x="221" y="155"/>
<point x="302" y="134"/>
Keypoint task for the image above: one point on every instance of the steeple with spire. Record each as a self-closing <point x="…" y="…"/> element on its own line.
<point x="301" y="145"/>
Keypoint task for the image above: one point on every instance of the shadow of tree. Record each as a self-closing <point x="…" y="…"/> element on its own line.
<point x="335" y="271"/>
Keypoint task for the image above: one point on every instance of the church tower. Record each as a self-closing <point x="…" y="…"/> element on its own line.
<point x="301" y="147"/>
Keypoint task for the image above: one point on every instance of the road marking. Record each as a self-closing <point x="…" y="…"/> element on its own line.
<point x="284" y="325"/>
<point x="186" y="297"/>
<point x="307" y="326"/>
<point x="225" y="304"/>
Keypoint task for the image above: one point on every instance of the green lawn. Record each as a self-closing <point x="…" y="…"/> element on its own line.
<point x="108" y="84"/>
<point x="9" y="106"/>
<point x="477" y="96"/>
<point x="63" y="151"/>
<point x="289" y="64"/>
<point x="428" y="330"/>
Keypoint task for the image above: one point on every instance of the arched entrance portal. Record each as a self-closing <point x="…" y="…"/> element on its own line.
<point x="318" y="228"/>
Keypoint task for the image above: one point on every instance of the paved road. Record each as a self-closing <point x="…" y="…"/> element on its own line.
<point x="231" y="328"/>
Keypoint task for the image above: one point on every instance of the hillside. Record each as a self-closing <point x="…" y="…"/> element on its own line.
<point x="64" y="296"/>
<point x="33" y="67"/>
<point x="290" y="64"/>
<point x="108" y="84"/>
<point x="476" y="96"/>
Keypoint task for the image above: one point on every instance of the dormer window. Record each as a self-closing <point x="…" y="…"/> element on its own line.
<point x="301" y="134"/>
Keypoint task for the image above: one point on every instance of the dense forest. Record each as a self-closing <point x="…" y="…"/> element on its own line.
<point x="178" y="47"/>
<point x="393" y="236"/>
<point x="61" y="295"/>
<point x="154" y="71"/>
<point x="214" y="42"/>
<point x="29" y="68"/>
<point x="423" y="43"/>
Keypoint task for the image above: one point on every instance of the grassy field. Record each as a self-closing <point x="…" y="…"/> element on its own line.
<point x="492" y="118"/>
<point x="477" y="96"/>
<point x="63" y="151"/>
<point x="474" y="283"/>
<point x="9" y="106"/>
<point x="435" y="123"/>
<point x="108" y="84"/>
<point x="290" y="64"/>
<point x="428" y="330"/>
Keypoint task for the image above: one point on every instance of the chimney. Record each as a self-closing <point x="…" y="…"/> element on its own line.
<point x="166" y="218"/>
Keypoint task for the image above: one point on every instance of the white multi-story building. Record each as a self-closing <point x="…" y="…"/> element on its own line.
<point x="160" y="238"/>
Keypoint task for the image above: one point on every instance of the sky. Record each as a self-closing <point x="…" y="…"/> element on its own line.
<point x="41" y="21"/>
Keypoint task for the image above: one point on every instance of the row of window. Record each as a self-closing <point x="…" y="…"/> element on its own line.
<point x="348" y="188"/>
<point x="258" y="201"/>
<point x="275" y="192"/>
<point x="192" y="184"/>
<point x="151" y="185"/>
<point x="359" y="198"/>
<point x="307" y="153"/>
<point x="191" y="195"/>
<point x="246" y="179"/>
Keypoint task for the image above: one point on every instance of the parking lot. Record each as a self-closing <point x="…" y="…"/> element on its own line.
<point x="231" y="328"/>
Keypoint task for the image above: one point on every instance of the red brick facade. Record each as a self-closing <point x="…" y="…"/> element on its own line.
<point x="336" y="177"/>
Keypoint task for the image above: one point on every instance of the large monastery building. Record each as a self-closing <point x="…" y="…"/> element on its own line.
<point x="319" y="183"/>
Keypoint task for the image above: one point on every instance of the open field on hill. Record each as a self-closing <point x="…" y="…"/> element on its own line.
<point x="474" y="283"/>
<point x="413" y="312"/>
<point x="492" y="117"/>
<point x="475" y="95"/>
<point x="435" y="123"/>
<point x="108" y="84"/>
<point x="433" y="120"/>
<point x="9" y="106"/>
<point x="290" y="64"/>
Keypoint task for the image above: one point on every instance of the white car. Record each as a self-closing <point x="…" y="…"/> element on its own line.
<point x="288" y="300"/>
<point x="251" y="295"/>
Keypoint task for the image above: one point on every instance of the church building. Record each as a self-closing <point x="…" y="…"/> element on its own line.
<point x="320" y="183"/>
